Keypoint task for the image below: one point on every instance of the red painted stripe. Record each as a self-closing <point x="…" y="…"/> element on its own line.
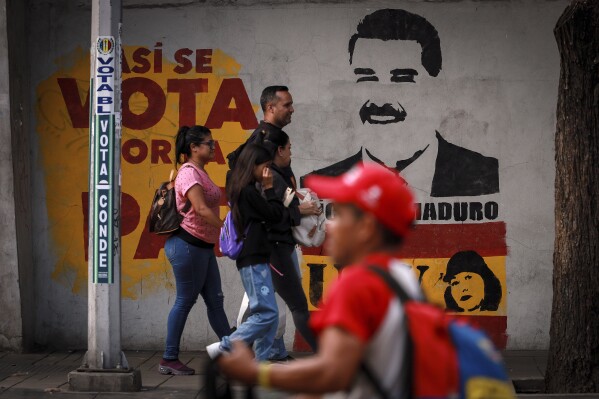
<point x="444" y="240"/>
<point x="314" y="250"/>
<point x="494" y="326"/>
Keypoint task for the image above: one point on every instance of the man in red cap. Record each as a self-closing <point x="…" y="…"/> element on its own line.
<point x="361" y="319"/>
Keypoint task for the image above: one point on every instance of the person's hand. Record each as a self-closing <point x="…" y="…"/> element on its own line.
<point x="239" y="364"/>
<point x="266" y="178"/>
<point x="310" y="208"/>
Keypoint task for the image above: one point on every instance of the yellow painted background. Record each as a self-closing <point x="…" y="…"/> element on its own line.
<point x="64" y="159"/>
<point x="432" y="282"/>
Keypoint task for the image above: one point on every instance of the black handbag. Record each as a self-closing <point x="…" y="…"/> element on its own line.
<point x="164" y="216"/>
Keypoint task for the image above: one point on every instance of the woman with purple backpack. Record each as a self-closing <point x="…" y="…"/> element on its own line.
<point x="190" y="250"/>
<point x="251" y="214"/>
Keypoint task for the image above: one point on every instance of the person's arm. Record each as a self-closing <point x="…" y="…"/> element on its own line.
<point x="295" y="210"/>
<point x="280" y="187"/>
<point x="309" y="208"/>
<point x="332" y="369"/>
<point x="196" y="196"/>
<point x="269" y="209"/>
<point x="295" y="213"/>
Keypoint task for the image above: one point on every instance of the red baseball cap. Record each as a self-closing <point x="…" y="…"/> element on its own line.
<point x="374" y="189"/>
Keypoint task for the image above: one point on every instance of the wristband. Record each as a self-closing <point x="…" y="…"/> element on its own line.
<point x="263" y="374"/>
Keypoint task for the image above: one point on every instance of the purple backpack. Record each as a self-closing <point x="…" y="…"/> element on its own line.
<point x="229" y="241"/>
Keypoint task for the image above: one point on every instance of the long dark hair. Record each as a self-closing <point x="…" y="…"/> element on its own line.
<point x="275" y="139"/>
<point x="242" y="175"/>
<point x="186" y="136"/>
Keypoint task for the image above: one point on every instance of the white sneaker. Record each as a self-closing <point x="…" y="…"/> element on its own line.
<point x="214" y="350"/>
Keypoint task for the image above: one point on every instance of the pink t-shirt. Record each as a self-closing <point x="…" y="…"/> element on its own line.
<point x="188" y="176"/>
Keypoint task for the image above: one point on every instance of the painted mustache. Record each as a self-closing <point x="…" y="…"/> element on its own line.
<point x="373" y="114"/>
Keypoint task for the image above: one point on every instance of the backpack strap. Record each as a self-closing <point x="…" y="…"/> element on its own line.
<point x="409" y="353"/>
<point x="373" y="381"/>
<point x="391" y="282"/>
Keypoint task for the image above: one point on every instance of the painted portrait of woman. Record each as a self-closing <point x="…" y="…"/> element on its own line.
<point x="472" y="285"/>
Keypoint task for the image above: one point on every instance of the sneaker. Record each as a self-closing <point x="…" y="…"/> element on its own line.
<point x="214" y="350"/>
<point x="174" y="367"/>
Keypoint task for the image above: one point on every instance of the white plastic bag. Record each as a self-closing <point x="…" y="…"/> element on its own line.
<point x="311" y="230"/>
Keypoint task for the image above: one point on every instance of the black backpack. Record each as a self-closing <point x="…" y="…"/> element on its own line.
<point x="164" y="216"/>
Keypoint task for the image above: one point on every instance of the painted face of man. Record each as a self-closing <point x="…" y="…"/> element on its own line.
<point x="394" y="89"/>
<point x="468" y="290"/>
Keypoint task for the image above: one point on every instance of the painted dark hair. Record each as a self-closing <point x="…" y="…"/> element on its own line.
<point x="275" y="139"/>
<point x="472" y="262"/>
<point x="390" y="24"/>
<point x="242" y="175"/>
<point x="269" y="95"/>
<point x="186" y="136"/>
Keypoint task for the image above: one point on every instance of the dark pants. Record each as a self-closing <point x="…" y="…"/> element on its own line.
<point x="289" y="287"/>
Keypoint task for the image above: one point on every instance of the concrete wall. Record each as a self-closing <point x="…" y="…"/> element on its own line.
<point x="16" y="267"/>
<point x="492" y="101"/>
<point x="10" y="320"/>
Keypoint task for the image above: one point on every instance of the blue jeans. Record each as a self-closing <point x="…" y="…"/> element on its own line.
<point x="196" y="272"/>
<point x="261" y="326"/>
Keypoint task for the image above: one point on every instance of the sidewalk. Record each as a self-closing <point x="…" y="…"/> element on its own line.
<point x="44" y="375"/>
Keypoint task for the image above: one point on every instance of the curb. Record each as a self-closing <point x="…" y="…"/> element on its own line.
<point x="529" y="385"/>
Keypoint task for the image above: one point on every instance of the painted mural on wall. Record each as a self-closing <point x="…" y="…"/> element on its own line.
<point x="201" y="86"/>
<point x="458" y="249"/>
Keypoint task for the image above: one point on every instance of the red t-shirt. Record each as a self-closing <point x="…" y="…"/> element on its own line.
<point x="361" y="303"/>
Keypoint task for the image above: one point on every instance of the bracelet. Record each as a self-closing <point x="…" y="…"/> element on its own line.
<point x="263" y="374"/>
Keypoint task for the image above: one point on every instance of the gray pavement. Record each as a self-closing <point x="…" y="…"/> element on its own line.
<point x="45" y="375"/>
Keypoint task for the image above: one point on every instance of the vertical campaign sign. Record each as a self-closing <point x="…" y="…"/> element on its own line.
<point x="103" y="133"/>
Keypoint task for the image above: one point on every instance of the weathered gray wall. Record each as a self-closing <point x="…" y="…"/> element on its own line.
<point x="16" y="266"/>
<point x="495" y="95"/>
<point x="10" y="319"/>
<point x="21" y="155"/>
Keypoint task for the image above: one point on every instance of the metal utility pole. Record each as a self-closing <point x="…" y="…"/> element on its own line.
<point x="105" y="367"/>
<point x="104" y="286"/>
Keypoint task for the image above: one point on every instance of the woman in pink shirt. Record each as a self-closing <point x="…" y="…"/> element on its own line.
<point x="190" y="250"/>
